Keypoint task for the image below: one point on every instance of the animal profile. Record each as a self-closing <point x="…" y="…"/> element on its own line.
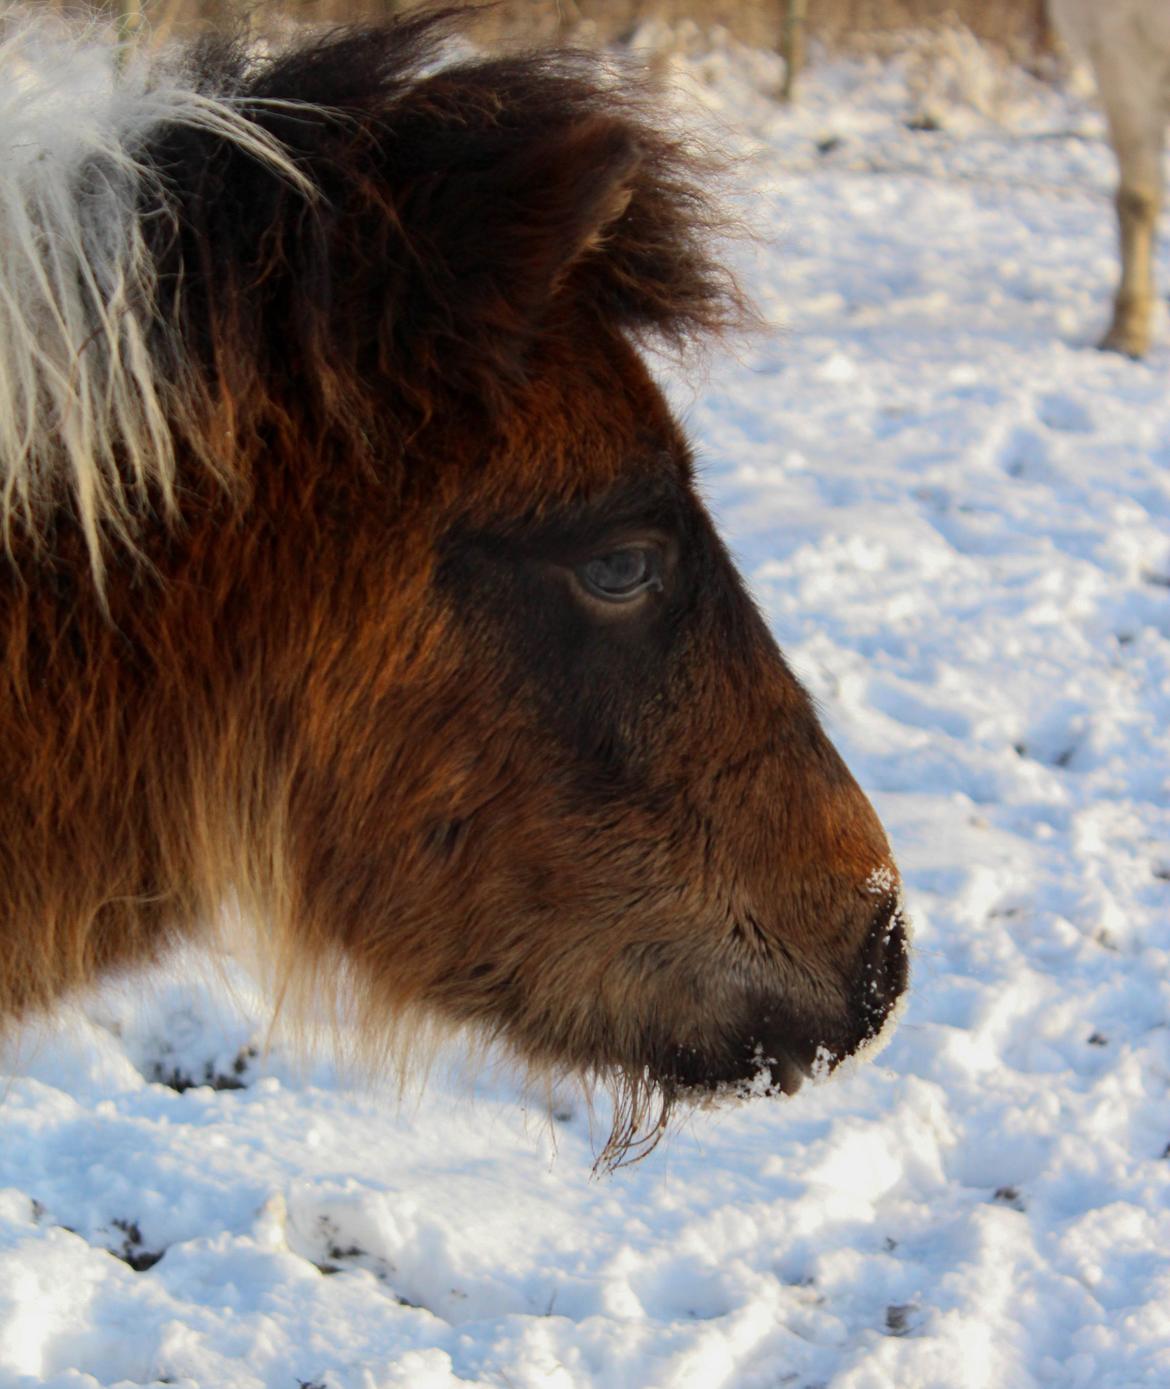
<point x="355" y="575"/>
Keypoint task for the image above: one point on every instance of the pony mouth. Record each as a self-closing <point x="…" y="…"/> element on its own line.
<point x="780" y="1043"/>
<point x="782" y="1074"/>
<point x="759" y="1072"/>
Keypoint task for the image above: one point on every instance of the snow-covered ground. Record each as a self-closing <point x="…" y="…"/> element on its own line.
<point x="957" y="516"/>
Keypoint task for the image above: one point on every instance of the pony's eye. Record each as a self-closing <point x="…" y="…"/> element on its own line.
<point x="622" y="574"/>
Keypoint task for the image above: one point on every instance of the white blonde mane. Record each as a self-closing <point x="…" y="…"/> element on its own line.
<point x="83" y="411"/>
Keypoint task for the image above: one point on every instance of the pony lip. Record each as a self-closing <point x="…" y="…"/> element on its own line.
<point x="758" y="1070"/>
<point x="783" y="1073"/>
<point x="788" y="1073"/>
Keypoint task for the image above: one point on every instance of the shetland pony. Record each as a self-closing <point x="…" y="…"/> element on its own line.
<point x="1128" y="44"/>
<point x="355" y="573"/>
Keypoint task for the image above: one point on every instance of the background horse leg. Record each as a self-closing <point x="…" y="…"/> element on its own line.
<point x="1136" y="121"/>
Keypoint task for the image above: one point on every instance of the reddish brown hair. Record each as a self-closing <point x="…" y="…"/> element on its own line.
<point x="436" y="665"/>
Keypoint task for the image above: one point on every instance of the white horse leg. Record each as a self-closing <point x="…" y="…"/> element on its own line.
<point x="1136" y="121"/>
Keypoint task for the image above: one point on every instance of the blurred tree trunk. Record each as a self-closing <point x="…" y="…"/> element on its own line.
<point x="567" y="16"/>
<point x="128" y="17"/>
<point x="794" y="18"/>
<point x="1043" y="34"/>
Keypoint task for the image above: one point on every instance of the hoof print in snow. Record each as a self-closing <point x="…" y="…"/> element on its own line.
<point x="828" y="144"/>
<point x="1064" y="414"/>
<point x="1097" y="1039"/>
<point x="1161" y="871"/>
<point x="336" y="1254"/>
<point x="181" y="1081"/>
<point x="338" y="1257"/>
<point x="1151" y="576"/>
<point x="900" y="1318"/>
<point x="1061" y="758"/>
<point x="132" y="1251"/>
<point x="1026" y="453"/>
<point x="1009" y="1196"/>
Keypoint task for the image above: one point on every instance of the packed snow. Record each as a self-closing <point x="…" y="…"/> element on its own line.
<point x="956" y="515"/>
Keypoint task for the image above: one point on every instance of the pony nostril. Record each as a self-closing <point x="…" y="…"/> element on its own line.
<point x="884" y="968"/>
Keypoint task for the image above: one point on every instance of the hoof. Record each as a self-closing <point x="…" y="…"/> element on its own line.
<point x="1129" y="333"/>
<point x="1130" y="342"/>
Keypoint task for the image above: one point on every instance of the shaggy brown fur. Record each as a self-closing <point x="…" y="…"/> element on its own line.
<point x="366" y="685"/>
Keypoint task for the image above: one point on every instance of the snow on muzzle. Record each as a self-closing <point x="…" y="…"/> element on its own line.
<point x="780" y="1042"/>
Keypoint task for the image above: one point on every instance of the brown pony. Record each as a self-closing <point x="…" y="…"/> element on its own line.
<point x="356" y="575"/>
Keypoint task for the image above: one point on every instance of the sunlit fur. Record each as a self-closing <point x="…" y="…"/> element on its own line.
<point x="321" y="377"/>
<point x="90" y="393"/>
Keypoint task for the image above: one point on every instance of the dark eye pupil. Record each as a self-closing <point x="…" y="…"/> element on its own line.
<point x="620" y="572"/>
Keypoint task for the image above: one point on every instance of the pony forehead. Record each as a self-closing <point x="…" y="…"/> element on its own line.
<point x="116" y="262"/>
